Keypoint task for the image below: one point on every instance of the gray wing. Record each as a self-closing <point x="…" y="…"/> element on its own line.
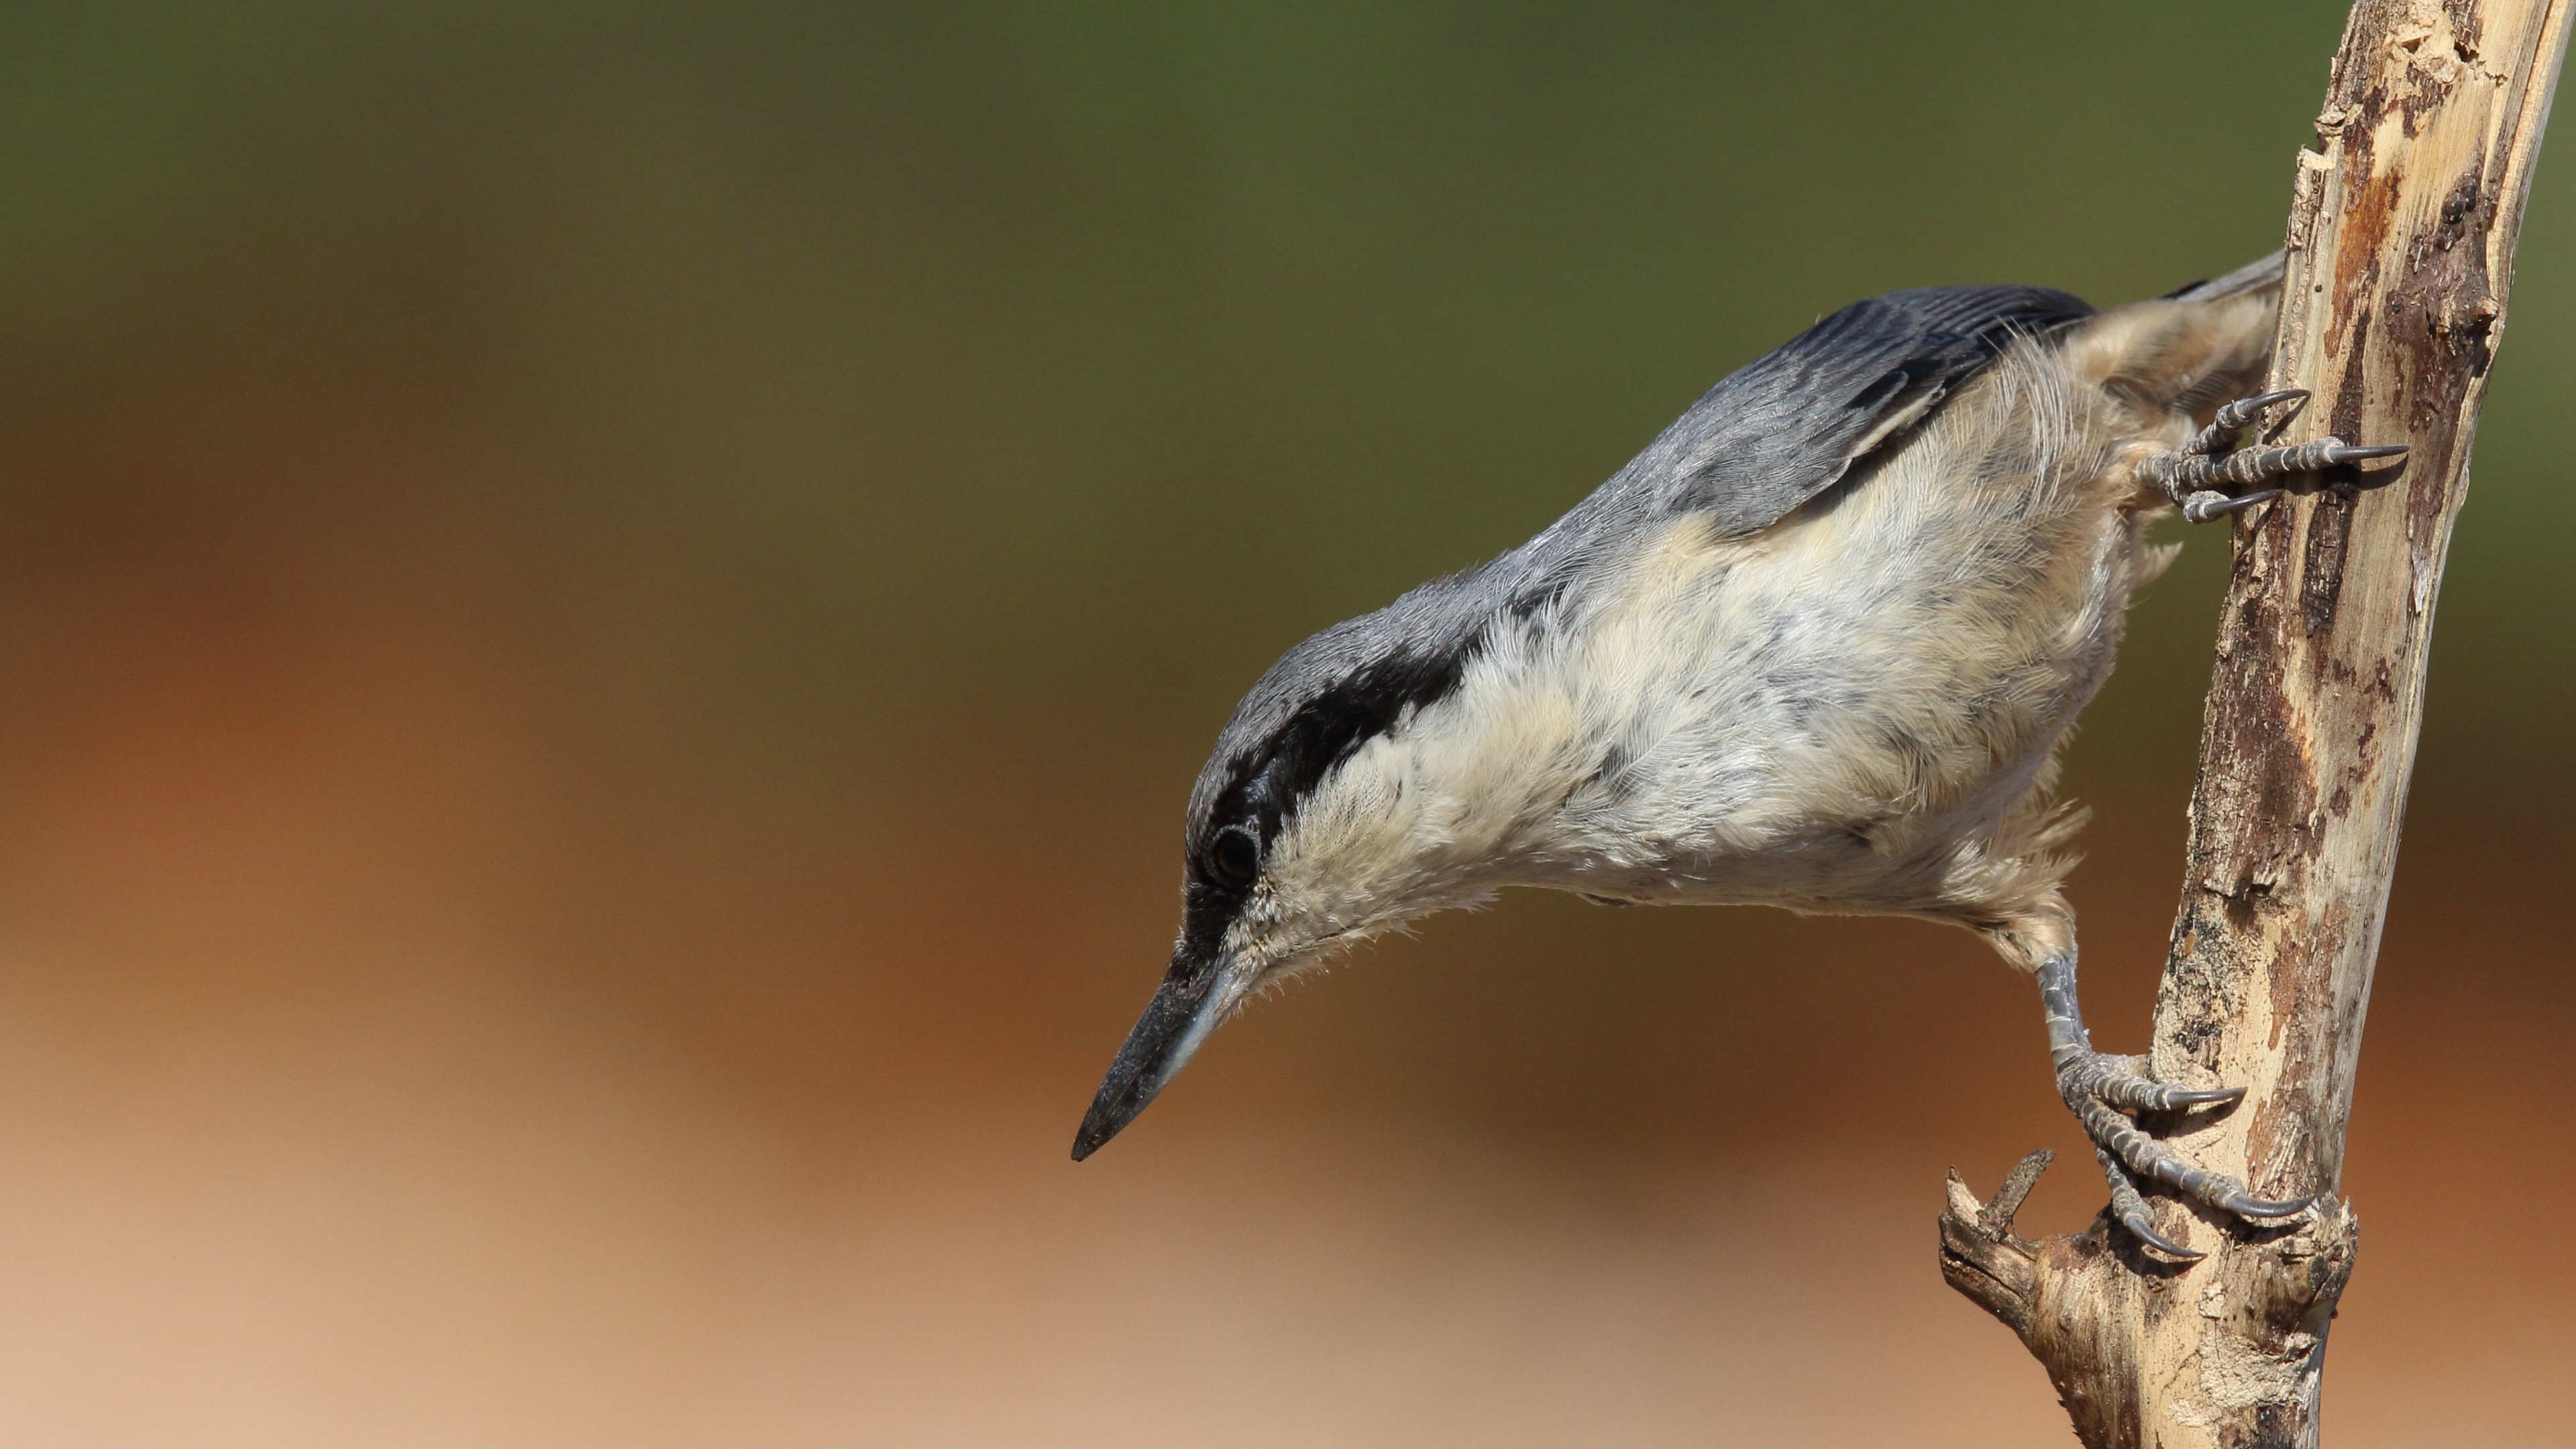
<point x="1773" y="435"/>
<point x="1790" y="424"/>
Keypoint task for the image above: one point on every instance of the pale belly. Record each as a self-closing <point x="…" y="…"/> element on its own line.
<point x="1856" y="712"/>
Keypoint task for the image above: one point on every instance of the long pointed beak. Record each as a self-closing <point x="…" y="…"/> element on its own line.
<point x="1193" y="998"/>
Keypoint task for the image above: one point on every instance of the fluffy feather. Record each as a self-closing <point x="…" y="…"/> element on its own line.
<point x="1853" y="709"/>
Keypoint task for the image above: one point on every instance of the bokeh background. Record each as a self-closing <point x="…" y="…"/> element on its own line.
<point x="606" y="612"/>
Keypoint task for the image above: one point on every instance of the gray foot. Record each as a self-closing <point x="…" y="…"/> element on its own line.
<point x="2197" y="474"/>
<point x="2098" y="1087"/>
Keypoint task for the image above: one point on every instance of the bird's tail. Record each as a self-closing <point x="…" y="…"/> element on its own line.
<point x="2189" y="350"/>
<point x="2254" y="276"/>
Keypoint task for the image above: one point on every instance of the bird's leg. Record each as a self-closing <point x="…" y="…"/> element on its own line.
<point x="2195" y="474"/>
<point x="2097" y="1086"/>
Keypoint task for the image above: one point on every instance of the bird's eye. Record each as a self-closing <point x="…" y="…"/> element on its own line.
<point x="1233" y="860"/>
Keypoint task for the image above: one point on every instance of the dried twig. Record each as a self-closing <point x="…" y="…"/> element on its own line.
<point x="2401" y="239"/>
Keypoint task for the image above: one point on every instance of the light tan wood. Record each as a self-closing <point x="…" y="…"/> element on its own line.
<point x="2401" y="237"/>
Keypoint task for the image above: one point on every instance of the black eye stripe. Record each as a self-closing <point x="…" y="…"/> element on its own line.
<point x="1271" y="780"/>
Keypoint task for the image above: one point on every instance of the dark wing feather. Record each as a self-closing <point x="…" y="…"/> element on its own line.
<point x="1791" y="423"/>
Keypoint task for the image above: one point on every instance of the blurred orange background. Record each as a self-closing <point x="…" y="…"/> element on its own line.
<point x="606" y="613"/>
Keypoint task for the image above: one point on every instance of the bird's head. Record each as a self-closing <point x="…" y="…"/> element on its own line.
<point x="1349" y="793"/>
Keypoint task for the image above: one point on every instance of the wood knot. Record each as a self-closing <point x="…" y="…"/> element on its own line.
<point x="2303" y="1274"/>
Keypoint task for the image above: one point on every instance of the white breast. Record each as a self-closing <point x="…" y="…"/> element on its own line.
<point x="1852" y="710"/>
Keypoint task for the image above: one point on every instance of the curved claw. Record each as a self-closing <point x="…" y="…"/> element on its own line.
<point x="2231" y="419"/>
<point x="2097" y="1086"/>
<point x="2158" y="1097"/>
<point x="2200" y="474"/>
<point x="2131" y="1209"/>
<point x="2245" y="1206"/>
<point x="2173" y="1101"/>
<point x="2101" y="1077"/>
<point x="2246" y="409"/>
<point x="2146" y="1233"/>
<point x="2202" y="507"/>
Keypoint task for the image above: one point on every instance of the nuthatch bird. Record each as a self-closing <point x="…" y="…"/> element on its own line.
<point x="1816" y="647"/>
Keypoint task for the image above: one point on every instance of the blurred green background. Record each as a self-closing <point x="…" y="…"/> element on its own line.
<point x="606" y="613"/>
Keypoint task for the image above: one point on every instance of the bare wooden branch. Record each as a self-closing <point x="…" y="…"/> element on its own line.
<point x="2401" y="238"/>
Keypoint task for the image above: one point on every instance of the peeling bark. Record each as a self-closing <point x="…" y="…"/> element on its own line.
<point x="2401" y="237"/>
